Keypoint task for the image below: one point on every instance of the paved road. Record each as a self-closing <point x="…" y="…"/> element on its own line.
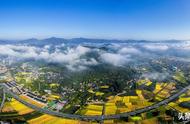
<point x="3" y="99"/>
<point x="98" y="117"/>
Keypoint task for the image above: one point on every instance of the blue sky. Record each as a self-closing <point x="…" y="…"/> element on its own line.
<point x="118" y="19"/>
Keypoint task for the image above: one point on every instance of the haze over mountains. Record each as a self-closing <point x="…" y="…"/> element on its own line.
<point x="55" y="40"/>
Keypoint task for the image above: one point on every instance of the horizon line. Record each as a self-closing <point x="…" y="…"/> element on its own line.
<point x="121" y="39"/>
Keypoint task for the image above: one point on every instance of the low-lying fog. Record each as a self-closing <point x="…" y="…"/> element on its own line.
<point x="79" y="56"/>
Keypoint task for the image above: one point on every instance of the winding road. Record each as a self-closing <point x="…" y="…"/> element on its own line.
<point x="98" y="117"/>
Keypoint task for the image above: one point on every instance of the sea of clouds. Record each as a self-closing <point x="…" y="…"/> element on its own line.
<point x="75" y="57"/>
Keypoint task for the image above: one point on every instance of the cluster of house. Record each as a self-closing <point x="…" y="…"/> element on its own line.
<point x="13" y="86"/>
<point x="56" y="105"/>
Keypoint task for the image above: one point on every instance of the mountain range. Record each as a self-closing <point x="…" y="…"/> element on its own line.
<point x="56" y="41"/>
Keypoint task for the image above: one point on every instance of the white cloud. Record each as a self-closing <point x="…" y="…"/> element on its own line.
<point x="18" y="51"/>
<point x="115" y="59"/>
<point x="184" y="47"/>
<point x="71" y="56"/>
<point x="156" y="75"/>
<point x="128" y="50"/>
<point x="76" y="68"/>
<point x="156" y="47"/>
<point x="47" y="47"/>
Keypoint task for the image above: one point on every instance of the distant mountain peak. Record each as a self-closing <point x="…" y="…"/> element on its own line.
<point x="31" y="39"/>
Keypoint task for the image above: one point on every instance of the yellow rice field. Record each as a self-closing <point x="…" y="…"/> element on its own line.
<point x="93" y="110"/>
<point x="177" y="107"/>
<point x="7" y="108"/>
<point x="20" y="108"/>
<point x="48" y="119"/>
<point x="29" y="100"/>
